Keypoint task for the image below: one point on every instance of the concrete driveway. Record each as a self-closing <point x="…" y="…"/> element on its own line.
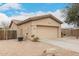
<point x="64" y="43"/>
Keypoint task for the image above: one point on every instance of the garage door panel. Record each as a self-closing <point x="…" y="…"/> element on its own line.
<point x="47" y="32"/>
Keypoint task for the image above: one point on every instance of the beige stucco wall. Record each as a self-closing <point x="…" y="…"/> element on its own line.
<point x="25" y="28"/>
<point x="13" y="26"/>
<point x="22" y="29"/>
<point x="46" y="22"/>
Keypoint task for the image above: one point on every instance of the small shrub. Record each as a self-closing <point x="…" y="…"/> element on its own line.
<point x="32" y="35"/>
<point x="35" y="39"/>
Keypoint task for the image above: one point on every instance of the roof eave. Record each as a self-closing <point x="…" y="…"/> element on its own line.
<point x="40" y="17"/>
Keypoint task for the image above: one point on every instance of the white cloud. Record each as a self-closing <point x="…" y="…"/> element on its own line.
<point x="10" y="6"/>
<point x="65" y="25"/>
<point x="59" y="15"/>
<point x="4" y="18"/>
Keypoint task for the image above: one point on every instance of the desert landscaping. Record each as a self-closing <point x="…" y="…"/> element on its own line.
<point x="29" y="48"/>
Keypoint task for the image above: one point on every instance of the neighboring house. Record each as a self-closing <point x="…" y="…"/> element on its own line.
<point x="43" y="26"/>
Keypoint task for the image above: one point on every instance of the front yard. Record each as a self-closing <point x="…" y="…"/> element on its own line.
<point x="28" y="48"/>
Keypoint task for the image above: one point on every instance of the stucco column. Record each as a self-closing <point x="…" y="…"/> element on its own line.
<point x="34" y="30"/>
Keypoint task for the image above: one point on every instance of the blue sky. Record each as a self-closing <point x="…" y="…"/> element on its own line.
<point x="15" y="9"/>
<point x="43" y="7"/>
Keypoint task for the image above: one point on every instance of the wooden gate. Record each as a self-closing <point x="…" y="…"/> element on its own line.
<point x="2" y="34"/>
<point x="8" y="34"/>
<point x="11" y="34"/>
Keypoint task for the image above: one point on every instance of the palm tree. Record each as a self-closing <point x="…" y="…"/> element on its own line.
<point x="72" y="15"/>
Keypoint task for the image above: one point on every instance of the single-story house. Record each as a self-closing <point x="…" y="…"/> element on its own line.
<point x="42" y="26"/>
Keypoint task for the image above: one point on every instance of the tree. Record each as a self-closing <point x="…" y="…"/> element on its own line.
<point x="72" y="15"/>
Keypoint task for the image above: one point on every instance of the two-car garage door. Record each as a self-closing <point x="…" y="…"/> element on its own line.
<point x="47" y="32"/>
